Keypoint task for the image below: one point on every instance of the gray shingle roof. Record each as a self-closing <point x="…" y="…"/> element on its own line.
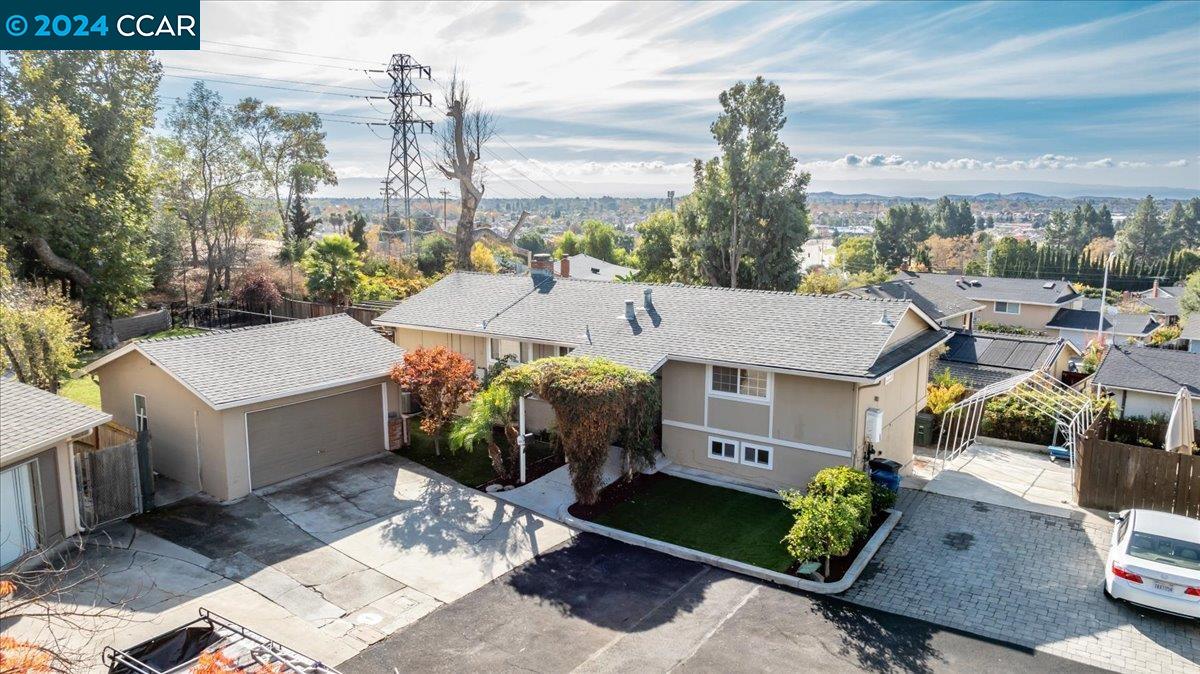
<point x="929" y="297"/>
<point x="31" y="418"/>
<point x="830" y="335"/>
<point x="585" y="267"/>
<point x="1125" y="324"/>
<point x="989" y="288"/>
<point x="228" y="367"/>
<point x="1168" y="306"/>
<point x="1191" y="327"/>
<point x="1145" y="368"/>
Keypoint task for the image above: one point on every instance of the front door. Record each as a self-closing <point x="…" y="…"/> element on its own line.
<point x="18" y="525"/>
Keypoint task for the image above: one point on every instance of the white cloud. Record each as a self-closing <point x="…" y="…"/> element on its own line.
<point x="1178" y="163"/>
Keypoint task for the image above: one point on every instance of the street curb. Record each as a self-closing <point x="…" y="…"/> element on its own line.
<point x="852" y="574"/>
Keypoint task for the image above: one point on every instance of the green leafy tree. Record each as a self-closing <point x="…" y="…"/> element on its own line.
<point x="654" y="255"/>
<point x="358" y="231"/>
<point x="77" y="125"/>
<point x="1189" y="303"/>
<point x="855" y="254"/>
<point x="332" y="267"/>
<point x="952" y="220"/>
<point x="1066" y="230"/>
<point x="1142" y="235"/>
<point x="899" y="233"/>
<point x="568" y="244"/>
<point x="285" y="150"/>
<point x="823" y="528"/>
<point x="532" y="241"/>
<point x="600" y="240"/>
<point x="747" y="216"/>
<point x="434" y="253"/>
<point x="298" y="237"/>
<point x="40" y="334"/>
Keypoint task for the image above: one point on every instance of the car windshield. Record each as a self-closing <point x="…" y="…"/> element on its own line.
<point x="1165" y="550"/>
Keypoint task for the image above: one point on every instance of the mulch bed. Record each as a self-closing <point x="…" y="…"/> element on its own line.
<point x="614" y="494"/>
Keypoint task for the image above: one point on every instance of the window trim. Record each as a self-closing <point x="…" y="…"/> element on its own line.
<point x="737" y="449"/>
<point x="141" y="421"/>
<point x="769" y="465"/>
<point x="743" y="397"/>
<point x="1007" y="305"/>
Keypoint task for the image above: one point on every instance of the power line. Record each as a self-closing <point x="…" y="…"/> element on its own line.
<point x="272" y="79"/>
<point x="537" y="164"/>
<point x="278" y="60"/>
<point x="372" y="121"/>
<point x="520" y="172"/>
<point x="294" y="53"/>
<point x="269" y="86"/>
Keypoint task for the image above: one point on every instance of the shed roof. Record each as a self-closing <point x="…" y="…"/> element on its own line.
<point x="32" y="419"/>
<point x="836" y="336"/>
<point x="230" y="368"/>
<point x="1143" y="368"/>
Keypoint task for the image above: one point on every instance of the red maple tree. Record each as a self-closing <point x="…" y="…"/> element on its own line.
<point x="441" y="380"/>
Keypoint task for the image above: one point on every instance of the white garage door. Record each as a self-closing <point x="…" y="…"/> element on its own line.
<point x="302" y="437"/>
<point x="18" y="525"/>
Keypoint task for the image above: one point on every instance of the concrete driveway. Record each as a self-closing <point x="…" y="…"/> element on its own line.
<point x="326" y="564"/>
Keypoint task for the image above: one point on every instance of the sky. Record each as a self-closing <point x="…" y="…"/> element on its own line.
<point x="595" y="98"/>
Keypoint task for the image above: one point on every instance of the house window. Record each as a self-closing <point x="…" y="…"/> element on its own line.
<point x="502" y="348"/>
<point x="564" y="350"/>
<point x="723" y="450"/>
<point x="1008" y="308"/>
<point x="739" y="381"/>
<point x="140" y="418"/>
<point x="756" y="455"/>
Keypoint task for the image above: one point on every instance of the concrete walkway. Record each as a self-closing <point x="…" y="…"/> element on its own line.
<point x="552" y="492"/>
<point x="326" y="565"/>
<point x="1012" y="478"/>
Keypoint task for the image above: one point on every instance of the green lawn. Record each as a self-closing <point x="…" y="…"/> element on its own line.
<point x="716" y="520"/>
<point x="471" y="468"/>
<point x="81" y="390"/>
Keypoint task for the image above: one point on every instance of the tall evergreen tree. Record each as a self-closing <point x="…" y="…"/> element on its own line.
<point x="1106" y="228"/>
<point x="899" y="233"/>
<point x="358" y="230"/>
<point x="1143" y="231"/>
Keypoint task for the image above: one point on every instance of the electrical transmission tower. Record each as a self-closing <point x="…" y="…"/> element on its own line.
<point x="406" y="170"/>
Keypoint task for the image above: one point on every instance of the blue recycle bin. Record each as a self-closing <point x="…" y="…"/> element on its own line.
<point x="885" y="472"/>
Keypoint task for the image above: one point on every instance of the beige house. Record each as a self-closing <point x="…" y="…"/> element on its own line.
<point x="761" y="388"/>
<point x="1021" y="302"/>
<point x="39" y="503"/>
<point x="236" y="410"/>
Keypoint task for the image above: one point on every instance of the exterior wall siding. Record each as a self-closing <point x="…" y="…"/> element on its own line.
<point x="900" y="399"/>
<point x="1138" y="404"/>
<point x="791" y="467"/>
<point x="1032" y="316"/>
<point x="470" y="346"/>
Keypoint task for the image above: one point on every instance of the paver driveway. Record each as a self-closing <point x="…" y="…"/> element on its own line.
<point x="326" y="565"/>
<point x="1020" y="576"/>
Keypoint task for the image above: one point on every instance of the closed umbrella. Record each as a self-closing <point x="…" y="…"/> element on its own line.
<point x="1181" y="433"/>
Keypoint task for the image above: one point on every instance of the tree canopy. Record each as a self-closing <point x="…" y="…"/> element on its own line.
<point x="332" y="266"/>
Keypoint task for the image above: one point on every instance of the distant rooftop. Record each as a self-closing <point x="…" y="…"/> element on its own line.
<point x="1138" y="325"/>
<point x="588" y="268"/>
<point x="929" y="296"/>
<point x="1144" y="368"/>
<point x="992" y="288"/>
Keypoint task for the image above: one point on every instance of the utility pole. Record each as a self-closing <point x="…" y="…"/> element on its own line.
<point x="406" y="170"/>
<point x="671" y="199"/>
<point x="1103" y="300"/>
<point x="444" y="194"/>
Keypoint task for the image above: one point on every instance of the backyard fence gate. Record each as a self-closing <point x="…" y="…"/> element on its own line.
<point x="109" y="483"/>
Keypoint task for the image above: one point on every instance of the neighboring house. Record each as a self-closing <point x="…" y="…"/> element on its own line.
<point x="983" y="358"/>
<point x="762" y="388"/>
<point x="236" y="410"/>
<point x="1027" y="303"/>
<point x="1144" y="380"/>
<point x="1079" y="326"/>
<point x="950" y="309"/>
<point x="39" y="504"/>
<point x="1190" y="334"/>
<point x="590" y="268"/>
<point x="1163" y="302"/>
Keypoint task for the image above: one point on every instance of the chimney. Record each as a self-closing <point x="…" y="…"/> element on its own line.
<point x="564" y="267"/>
<point x="541" y="268"/>
<point x="647" y="301"/>
<point x="1154" y="290"/>
<point x="630" y="314"/>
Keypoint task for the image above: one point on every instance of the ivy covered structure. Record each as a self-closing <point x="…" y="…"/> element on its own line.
<point x="757" y="388"/>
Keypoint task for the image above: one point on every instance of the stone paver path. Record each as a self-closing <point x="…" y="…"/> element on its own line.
<point x="1018" y="576"/>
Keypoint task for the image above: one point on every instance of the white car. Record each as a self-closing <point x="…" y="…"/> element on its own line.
<point x="1154" y="561"/>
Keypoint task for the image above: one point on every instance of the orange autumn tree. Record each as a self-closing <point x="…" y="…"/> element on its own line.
<point x="441" y="380"/>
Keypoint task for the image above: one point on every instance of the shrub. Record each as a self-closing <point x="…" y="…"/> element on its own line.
<point x="844" y="483"/>
<point x="1164" y="334"/>
<point x="882" y="498"/>
<point x="834" y="512"/>
<point x="938" y="398"/>
<point x="441" y="380"/>
<point x="1005" y="329"/>
<point x="258" y="291"/>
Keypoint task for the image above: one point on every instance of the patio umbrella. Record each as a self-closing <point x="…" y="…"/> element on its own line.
<point x="1181" y="433"/>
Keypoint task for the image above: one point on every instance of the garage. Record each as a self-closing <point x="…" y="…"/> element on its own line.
<point x="295" y="439"/>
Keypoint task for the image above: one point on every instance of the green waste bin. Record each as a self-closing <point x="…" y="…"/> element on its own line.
<point x="924" y="430"/>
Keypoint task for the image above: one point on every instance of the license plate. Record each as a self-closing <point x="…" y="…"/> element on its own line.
<point x="1164" y="587"/>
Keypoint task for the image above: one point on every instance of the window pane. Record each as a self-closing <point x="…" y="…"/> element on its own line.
<point x="764" y="457"/>
<point x="753" y="383"/>
<point x="725" y="379"/>
<point x="730" y="450"/>
<point x="716" y="448"/>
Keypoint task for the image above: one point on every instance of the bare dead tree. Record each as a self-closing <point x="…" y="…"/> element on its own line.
<point x="467" y="129"/>
<point x="53" y="609"/>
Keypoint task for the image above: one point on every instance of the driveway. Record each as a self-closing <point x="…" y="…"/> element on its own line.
<point x="597" y="605"/>
<point x="327" y="564"/>
<point x="1021" y="576"/>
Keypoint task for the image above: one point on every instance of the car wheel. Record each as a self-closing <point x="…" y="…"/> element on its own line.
<point x="1107" y="594"/>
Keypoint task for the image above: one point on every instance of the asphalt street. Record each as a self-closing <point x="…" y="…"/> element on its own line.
<point x="596" y="605"/>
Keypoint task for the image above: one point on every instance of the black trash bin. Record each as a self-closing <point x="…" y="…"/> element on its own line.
<point x="886" y="472"/>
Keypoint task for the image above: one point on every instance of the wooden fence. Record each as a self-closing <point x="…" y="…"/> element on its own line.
<point x="1115" y="476"/>
<point x="363" y="313"/>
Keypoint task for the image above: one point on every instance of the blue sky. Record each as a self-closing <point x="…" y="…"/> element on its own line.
<point x="602" y="98"/>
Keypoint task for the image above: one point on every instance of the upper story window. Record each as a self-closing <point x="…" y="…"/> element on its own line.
<point x="502" y="348"/>
<point x="1008" y="308"/>
<point x="739" y="381"/>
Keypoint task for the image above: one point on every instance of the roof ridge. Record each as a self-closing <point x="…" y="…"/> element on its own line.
<point x="209" y="333"/>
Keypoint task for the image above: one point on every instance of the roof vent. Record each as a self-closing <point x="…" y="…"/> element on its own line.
<point x="1048" y="285"/>
<point x="884" y="320"/>
<point x="595" y="270"/>
<point x="977" y="284"/>
<point x="629" y="311"/>
<point x="647" y="300"/>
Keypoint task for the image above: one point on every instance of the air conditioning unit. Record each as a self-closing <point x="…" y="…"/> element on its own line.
<point x="874" y="421"/>
<point x="408" y="404"/>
